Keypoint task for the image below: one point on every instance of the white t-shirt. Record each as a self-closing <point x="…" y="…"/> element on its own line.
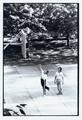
<point x="43" y="75"/>
<point x="59" y="76"/>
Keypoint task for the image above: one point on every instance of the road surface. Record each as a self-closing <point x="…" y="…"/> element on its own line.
<point x="22" y="86"/>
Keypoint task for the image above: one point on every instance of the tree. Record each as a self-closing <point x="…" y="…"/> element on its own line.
<point x="51" y="19"/>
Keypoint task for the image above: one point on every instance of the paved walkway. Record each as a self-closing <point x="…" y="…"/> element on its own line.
<point x="22" y="85"/>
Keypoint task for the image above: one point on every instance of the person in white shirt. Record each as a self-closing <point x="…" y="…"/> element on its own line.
<point x="44" y="76"/>
<point x="59" y="80"/>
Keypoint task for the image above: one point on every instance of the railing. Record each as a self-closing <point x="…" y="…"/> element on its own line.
<point x="23" y="44"/>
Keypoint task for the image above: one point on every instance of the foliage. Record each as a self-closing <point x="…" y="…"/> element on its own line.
<point x="16" y="111"/>
<point x="59" y="19"/>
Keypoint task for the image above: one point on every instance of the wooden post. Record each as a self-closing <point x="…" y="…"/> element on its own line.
<point x="23" y="41"/>
<point x="67" y="40"/>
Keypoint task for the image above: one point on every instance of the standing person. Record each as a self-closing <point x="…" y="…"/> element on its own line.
<point x="44" y="76"/>
<point x="59" y="80"/>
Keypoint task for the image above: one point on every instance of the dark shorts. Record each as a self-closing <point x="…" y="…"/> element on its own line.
<point x="42" y="82"/>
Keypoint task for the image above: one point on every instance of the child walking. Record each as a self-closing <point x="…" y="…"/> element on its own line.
<point x="59" y="80"/>
<point x="44" y="76"/>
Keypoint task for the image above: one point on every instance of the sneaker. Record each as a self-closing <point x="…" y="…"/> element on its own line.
<point x="44" y="94"/>
<point x="61" y="93"/>
<point x="58" y="93"/>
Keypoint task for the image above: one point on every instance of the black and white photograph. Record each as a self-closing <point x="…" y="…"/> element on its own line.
<point x="40" y="59"/>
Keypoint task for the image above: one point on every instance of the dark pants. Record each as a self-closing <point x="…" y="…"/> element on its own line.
<point x="43" y="84"/>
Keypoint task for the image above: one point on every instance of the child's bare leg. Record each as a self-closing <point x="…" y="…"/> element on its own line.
<point x="58" y="87"/>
